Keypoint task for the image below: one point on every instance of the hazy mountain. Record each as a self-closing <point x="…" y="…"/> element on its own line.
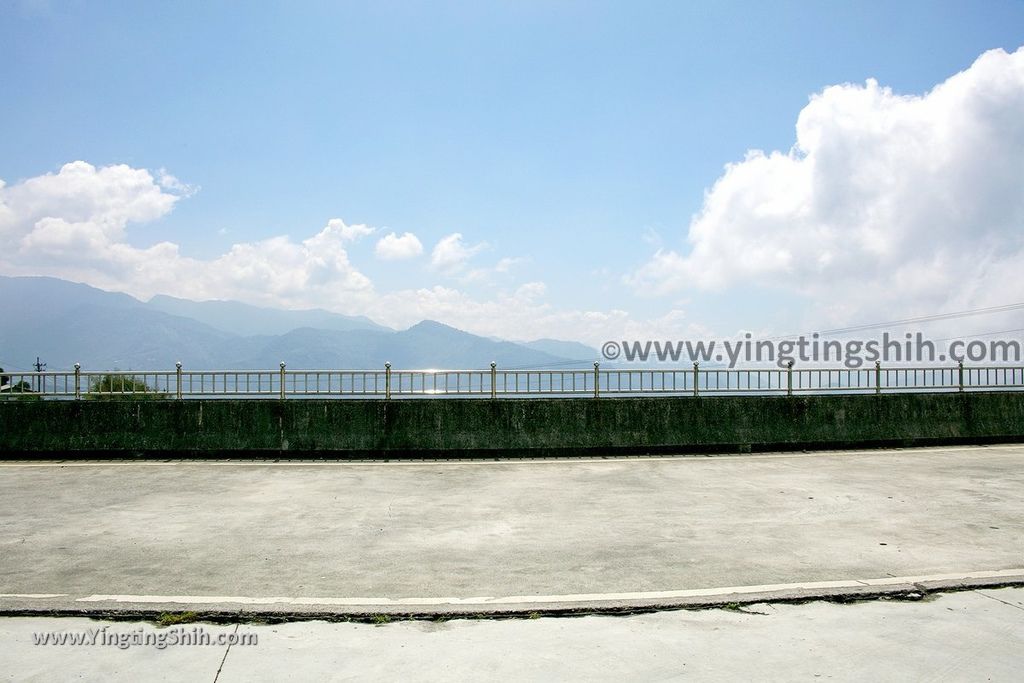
<point x="246" y="320"/>
<point x="41" y="298"/>
<point x="566" y="349"/>
<point x="428" y="344"/>
<point x="433" y="344"/>
<point x="64" y="322"/>
<point x="311" y="348"/>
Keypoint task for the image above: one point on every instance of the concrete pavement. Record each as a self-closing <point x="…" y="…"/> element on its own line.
<point x="976" y="635"/>
<point x="347" y="538"/>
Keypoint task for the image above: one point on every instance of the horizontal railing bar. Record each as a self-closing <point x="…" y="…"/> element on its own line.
<point x="495" y="382"/>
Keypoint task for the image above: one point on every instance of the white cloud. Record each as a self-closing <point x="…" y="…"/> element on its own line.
<point x="651" y="237"/>
<point x="72" y="224"/>
<point x="348" y="233"/>
<point x="450" y="255"/>
<point x="169" y="182"/>
<point x="507" y="263"/>
<point x="100" y="202"/>
<point x="885" y="203"/>
<point x="531" y="291"/>
<point x="523" y="314"/>
<point x="391" y="247"/>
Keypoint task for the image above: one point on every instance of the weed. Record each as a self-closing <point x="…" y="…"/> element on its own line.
<point x="172" y="618"/>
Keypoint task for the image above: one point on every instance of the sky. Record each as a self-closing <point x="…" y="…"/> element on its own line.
<point x="571" y="170"/>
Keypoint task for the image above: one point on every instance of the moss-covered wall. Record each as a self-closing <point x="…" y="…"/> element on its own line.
<point x="504" y="427"/>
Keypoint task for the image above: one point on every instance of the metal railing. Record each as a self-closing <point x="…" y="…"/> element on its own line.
<point x="493" y="382"/>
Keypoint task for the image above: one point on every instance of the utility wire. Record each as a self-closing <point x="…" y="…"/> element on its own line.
<point x="1005" y="308"/>
<point x="953" y="315"/>
<point x="979" y="334"/>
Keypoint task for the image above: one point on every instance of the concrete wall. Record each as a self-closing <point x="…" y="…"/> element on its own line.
<point x="504" y="427"/>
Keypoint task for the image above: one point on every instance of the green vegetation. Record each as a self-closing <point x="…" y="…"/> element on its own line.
<point x="20" y="391"/>
<point x="121" y="387"/>
<point x="380" y="619"/>
<point x="173" y="618"/>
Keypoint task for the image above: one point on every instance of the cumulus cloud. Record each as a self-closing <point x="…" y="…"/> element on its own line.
<point x="392" y="247"/>
<point x="349" y="233"/>
<point x="72" y="224"/>
<point x="524" y="314"/>
<point x="93" y="204"/>
<point x="451" y="254"/>
<point x="885" y="200"/>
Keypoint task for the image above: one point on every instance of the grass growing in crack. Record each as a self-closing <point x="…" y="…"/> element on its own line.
<point x="379" y="619"/>
<point x="172" y="618"/>
<point x="737" y="607"/>
<point x="534" y="615"/>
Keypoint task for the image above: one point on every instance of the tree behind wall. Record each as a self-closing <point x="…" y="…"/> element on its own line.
<point x="121" y="387"/>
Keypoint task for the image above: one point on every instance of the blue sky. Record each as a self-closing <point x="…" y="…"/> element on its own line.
<point x="577" y="138"/>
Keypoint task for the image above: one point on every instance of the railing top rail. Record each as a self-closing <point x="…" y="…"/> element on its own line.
<point x="493" y="381"/>
<point x="682" y="367"/>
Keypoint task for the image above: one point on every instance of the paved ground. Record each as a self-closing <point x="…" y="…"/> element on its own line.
<point x="319" y="537"/>
<point x="971" y="636"/>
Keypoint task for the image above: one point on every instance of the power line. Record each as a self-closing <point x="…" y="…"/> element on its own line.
<point x="979" y="334"/>
<point x="1005" y="308"/>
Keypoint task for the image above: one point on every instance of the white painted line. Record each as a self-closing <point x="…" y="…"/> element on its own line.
<point x="33" y="596"/>
<point x="541" y="599"/>
<point x="949" y="577"/>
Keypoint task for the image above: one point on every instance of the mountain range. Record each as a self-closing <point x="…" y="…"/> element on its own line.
<point x="62" y="323"/>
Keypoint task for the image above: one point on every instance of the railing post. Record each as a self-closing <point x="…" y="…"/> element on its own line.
<point x="696" y="379"/>
<point x="960" y="373"/>
<point x="789" y="378"/>
<point x="282" y="380"/>
<point x="494" y="379"/>
<point x="78" y="381"/>
<point x="878" y="376"/>
<point x="387" y="381"/>
<point x="177" y="378"/>
<point x="597" y="380"/>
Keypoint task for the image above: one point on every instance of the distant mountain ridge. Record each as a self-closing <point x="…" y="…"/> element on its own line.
<point x="64" y="323"/>
<point x="247" y="320"/>
<point x="569" y="349"/>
